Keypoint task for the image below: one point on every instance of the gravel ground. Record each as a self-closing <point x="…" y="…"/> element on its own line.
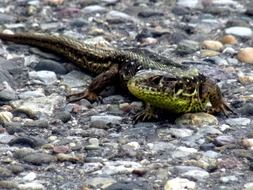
<point x="48" y="143"/>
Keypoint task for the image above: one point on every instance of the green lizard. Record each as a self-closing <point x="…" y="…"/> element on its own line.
<point x="165" y="86"/>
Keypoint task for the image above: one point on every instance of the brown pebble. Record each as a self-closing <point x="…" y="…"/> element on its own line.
<point x="245" y="55"/>
<point x="247" y="143"/>
<point x="229" y="39"/>
<point x="61" y="149"/>
<point x="212" y="45"/>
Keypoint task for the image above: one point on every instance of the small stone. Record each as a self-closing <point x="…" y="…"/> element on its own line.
<point x="245" y="80"/>
<point x="245" y="55"/>
<point x="229" y="39"/>
<point x="182" y="152"/>
<point x="209" y="53"/>
<point x="187" y="47"/>
<point x="38" y="158"/>
<point x="224" y="140"/>
<point x="50" y="65"/>
<point x="247" y="143"/>
<point x="212" y="45"/>
<point x="239" y="31"/>
<point x="30" y="176"/>
<point x="5" y="138"/>
<point x="241" y="121"/>
<point x="5" y="116"/>
<point x="63" y="116"/>
<point x="61" y="149"/>
<point x="229" y="179"/>
<point x="119" y="167"/>
<point x="128" y="185"/>
<point x="93" y="144"/>
<point x="44" y="77"/>
<point x="7" y="92"/>
<point x="32" y="94"/>
<point x="119" y="17"/>
<point x="31" y="186"/>
<point x="190" y="4"/>
<point x="106" y="118"/>
<point x="4" y="184"/>
<point x="134" y="145"/>
<point x="94" y="9"/>
<point x="180" y="133"/>
<point x="70" y="158"/>
<point x="103" y="182"/>
<point x="91" y="167"/>
<point x="199" y="174"/>
<point x="4" y="172"/>
<point x="179" y="184"/>
<point x="39" y="105"/>
<point x="248" y="186"/>
<point x="197" y="119"/>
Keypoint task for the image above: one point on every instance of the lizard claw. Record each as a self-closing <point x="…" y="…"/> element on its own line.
<point x="147" y="114"/>
<point x="91" y="96"/>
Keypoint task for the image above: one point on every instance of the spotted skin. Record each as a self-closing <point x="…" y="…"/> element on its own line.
<point x="172" y="87"/>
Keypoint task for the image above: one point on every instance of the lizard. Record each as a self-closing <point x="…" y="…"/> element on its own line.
<point x="166" y="86"/>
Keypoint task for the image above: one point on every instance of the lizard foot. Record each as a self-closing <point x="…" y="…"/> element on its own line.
<point x="147" y="114"/>
<point x="86" y="94"/>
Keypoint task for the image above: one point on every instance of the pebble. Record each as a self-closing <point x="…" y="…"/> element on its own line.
<point x="70" y="158"/>
<point x="229" y="179"/>
<point x="239" y="31"/>
<point x="102" y="182"/>
<point x="180" y="133"/>
<point x="119" y="17"/>
<point x="38" y="158"/>
<point x="224" y="140"/>
<point x="91" y="167"/>
<point x="31" y="186"/>
<point x="229" y="39"/>
<point x="247" y="143"/>
<point x="179" y="184"/>
<point x="248" y="186"/>
<point x="4" y="172"/>
<point x="5" y="138"/>
<point x="199" y="174"/>
<point x="94" y="9"/>
<point x="75" y="79"/>
<point x="32" y="94"/>
<point x="245" y="55"/>
<point x="128" y="185"/>
<point x="61" y="149"/>
<point x="30" y="176"/>
<point x="7" y="92"/>
<point x="35" y="106"/>
<point x="106" y="118"/>
<point x="44" y="77"/>
<point x="182" y="152"/>
<point x="235" y="122"/>
<point x="212" y="45"/>
<point x="6" y="184"/>
<point x="197" y="119"/>
<point x="209" y="53"/>
<point x="119" y="166"/>
<point x="190" y="4"/>
<point x="50" y="65"/>
<point x="5" y="116"/>
<point x="187" y="47"/>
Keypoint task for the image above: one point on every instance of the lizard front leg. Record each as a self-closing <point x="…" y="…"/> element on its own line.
<point x="96" y="86"/>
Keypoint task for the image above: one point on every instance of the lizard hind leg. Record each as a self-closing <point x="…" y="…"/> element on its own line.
<point x="96" y="86"/>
